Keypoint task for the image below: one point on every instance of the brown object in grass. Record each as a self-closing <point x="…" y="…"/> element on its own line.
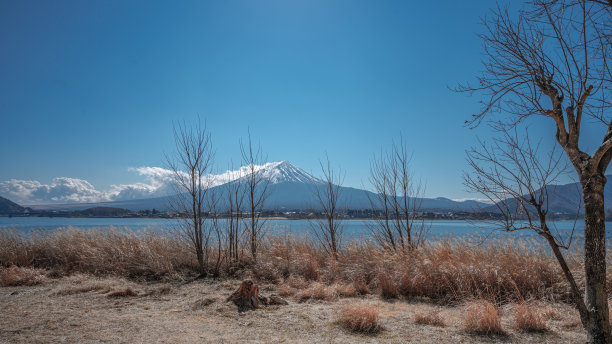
<point x="247" y="297"/>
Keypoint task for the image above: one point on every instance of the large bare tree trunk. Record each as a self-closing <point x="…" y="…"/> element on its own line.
<point x="598" y="328"/>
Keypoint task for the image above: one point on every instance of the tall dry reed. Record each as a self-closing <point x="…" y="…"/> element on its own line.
<point x="448" y="271"/>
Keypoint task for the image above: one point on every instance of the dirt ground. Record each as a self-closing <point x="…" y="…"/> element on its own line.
<point x="79" y="309"/>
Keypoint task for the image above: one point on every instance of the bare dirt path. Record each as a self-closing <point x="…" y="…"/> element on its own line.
<point x="78" y="309"/>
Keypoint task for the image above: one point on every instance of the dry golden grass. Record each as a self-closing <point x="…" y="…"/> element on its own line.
<point x="361" y="287"/>
<point x="430" y="318"/>
<point x="445" y="271"/>
<point x="529" y="318"/>
<point x="550" y="313"/>
<point x="78" y="289"/>
<point x="482" y="317"/>
<point x="388" y="289"/>
<point x="360" y="319"/>
<point x="346" y="290"/>
<point x="178" y="312"/>
<point x="98" y="251"/>
<point x="317" y="291"/>
<point x="285" y="290"/>
<point x="14" y="276"/>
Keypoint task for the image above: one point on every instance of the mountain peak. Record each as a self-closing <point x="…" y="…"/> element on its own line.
<point x="284" y="171"/>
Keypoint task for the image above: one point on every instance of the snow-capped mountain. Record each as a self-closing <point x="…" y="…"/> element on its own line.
<point x="276" y="172"/>
<point x="284" y="172"/>
<point x="289" y="187"/>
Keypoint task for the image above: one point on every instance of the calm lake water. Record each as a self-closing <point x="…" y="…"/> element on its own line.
<point x="354" y="229"/>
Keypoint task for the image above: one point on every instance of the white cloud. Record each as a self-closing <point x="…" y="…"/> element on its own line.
<point x="158" y="182"/>
<point x="61" y="190"/>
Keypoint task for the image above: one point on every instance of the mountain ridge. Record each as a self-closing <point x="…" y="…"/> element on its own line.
<point x="9" y="207"/>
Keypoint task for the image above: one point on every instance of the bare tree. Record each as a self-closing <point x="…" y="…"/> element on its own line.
<point x="235" y="195"/>
<point x="256" y="186"/>
<point x="396" y="204"/>
<point x="552" y="60"/>
<point x="215" y="234"/>
<point x="328" y="230"/>
<point x="190" y="166"/>
<point x="517" y="178"/>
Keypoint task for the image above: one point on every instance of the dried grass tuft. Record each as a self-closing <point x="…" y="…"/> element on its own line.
<point x="430" y="318"/>
<point x="285" y="290"/>
<point x="482" y="317"/>
<point x="360" y="318"/>
<point x="16" y="276"/>
<point x="388" y="289"/>
<point x="346" y="290"/>
<point x="317" y="291"/>
<point x="527" y="318"/>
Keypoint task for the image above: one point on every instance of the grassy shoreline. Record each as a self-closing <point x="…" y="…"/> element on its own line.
<point x="452" y="290"/>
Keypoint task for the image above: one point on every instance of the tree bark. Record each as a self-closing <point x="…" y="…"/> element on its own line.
<point x="201" y="264"/>
<point x="598" y="327"/>
<point x="576" y="293"/>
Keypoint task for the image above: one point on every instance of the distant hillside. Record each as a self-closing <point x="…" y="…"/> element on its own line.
<point x="567" y="198"/>
<point x="102" y="212"/>
<point x="8" y="207"/>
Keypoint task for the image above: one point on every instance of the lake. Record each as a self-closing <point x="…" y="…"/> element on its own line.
<point x="354" y="229"/>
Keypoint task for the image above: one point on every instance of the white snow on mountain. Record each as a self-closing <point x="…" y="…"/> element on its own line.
<point x="284" y="171"/>
<point x="276" y="172"/>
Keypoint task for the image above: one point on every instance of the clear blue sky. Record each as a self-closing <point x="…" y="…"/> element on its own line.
<point x="90" y="88"/>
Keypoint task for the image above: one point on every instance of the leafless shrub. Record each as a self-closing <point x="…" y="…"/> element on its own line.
<point x="257" y="192"/>
<point x="190" y="167"/>
<point x="397" y="202"/>
<point x="328" y="230"/>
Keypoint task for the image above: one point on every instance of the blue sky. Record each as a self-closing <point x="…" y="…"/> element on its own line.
<point x="90" y="88"/>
